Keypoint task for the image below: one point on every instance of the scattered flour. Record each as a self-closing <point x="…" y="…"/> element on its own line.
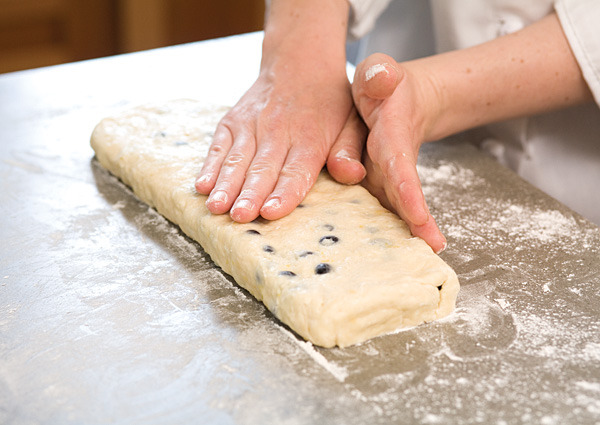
<point x="374" y="70"/>
<point x="488" y="322"/>
<point x="448" y="174"/>
<point x="461" y="200"/>
<point x="524" y="223"/>
<point x="589" y="386"/>
<point x="340" y="373"/>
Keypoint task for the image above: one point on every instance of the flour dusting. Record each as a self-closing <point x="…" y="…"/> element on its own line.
<point x="448" y="174"/>
<point x="520" y="347"/>
<point x="461" y="200"/>
<point x="340" y="373"/>
<point x="374" y="70"/>
<point x="523" y="223"/>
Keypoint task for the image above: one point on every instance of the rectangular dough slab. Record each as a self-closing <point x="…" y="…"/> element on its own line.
<point x="380" y="278"/>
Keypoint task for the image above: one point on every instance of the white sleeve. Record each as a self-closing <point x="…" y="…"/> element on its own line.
<point x="580" y="20"/>
<point x="363" y="14"/>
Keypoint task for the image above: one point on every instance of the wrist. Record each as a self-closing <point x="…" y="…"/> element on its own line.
<point x="525" y="73"/>
<point x="306" y="35"/>
<point x="431" y="100"/>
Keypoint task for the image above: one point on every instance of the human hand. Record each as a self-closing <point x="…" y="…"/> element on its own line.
<point x="270" y="147"/>
<point x="392" y="103"/>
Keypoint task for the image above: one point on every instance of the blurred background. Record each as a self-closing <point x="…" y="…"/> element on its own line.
<point x="35" y="33"/>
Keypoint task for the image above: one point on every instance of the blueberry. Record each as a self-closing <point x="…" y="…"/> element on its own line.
<point x="252" y="232"/>
<point x="440" y="287"/>
<point x="322" y="268"/>
<point x="269" y="249"/>
<point x="328" y="227"/>
<point x="329" y="240"/>
<point x="287" y="273"/>
<point x="305" y="254"/>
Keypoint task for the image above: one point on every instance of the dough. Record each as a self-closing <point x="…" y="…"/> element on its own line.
<point x="339" y="270"/>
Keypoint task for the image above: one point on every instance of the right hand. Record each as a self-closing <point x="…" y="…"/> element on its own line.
<point x="390" y="99"/>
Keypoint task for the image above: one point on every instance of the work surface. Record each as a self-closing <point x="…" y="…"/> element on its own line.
<point x="108" y="314"/>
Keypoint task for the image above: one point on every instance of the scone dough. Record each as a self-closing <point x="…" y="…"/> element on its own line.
<point x="339" y="270"/>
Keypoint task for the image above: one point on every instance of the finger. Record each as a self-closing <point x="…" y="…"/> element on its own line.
<point x="373" y="182"/>
<point x="219" y="148"/>
<point x="406" y="197"/>
<point x="431" y="234"/>
<point x="390" y="147"/>
<point x="297" y="176"/>
<point x="404" y="188"/>
<point x="261" y="179"/>
<point x="232" y="174"/>
<point x="428" y="231"/>
<point x="343" y="162"/>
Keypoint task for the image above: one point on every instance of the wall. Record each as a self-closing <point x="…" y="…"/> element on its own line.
<point x="36" y="33"/>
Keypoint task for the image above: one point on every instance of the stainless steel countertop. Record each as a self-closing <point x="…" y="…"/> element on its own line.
<point x="108" y="314"/>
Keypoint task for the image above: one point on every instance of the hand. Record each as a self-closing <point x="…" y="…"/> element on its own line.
<point x="391" y="102"/>
<point x="269" y="149"/>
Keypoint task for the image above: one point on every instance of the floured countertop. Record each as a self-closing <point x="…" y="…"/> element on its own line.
<point x="108" y="314"/>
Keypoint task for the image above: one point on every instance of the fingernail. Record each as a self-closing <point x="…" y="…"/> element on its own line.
<point x="218" y="196"/>
<point x="204" y="178"/>
<point x="243" y="204"/>
<point x="343" y="154"/>
<point x="272" y="203"/>
<point x="443" y="248"/>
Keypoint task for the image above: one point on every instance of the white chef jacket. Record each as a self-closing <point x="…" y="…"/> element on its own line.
<point x="558" y="152"/>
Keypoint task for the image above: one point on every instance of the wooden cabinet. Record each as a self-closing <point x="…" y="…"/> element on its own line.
<point x="151" y="23"/>
<point x="37" y="33"/>
<point x="45" y="32"/>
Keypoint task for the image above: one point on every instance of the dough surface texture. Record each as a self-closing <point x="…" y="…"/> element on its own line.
<point x="339" y="270"/>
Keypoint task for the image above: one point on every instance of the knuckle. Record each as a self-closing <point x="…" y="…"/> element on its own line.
<point x="262" y="167"/>
<point x="397" y="164"/>
<point x="273" y="117"/>
<point x="234" y="159"/>
<point x="249" y="194"/>
<point x="216" y="149"/>
<point x="389" y="165"/>
<point x="315" y="154"/>
<point x="299" y="179"/>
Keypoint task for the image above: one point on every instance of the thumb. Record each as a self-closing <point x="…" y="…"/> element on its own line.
<point x="376" y="77"/>
<point x="343" y="162"/>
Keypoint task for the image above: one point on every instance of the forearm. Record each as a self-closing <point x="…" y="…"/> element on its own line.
<point x="521" y="74"/>
<point x="307" y="34"/>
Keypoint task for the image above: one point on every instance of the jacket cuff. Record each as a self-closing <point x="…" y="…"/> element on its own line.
<point x="580" y="22"/>
<point x="363" y="14"/>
